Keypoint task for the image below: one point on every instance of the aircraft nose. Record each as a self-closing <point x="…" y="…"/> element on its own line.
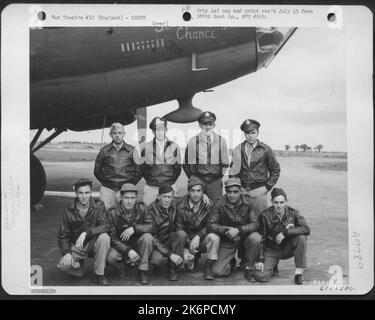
<point x="268" y="41"/>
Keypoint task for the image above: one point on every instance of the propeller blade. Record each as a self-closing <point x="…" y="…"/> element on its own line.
<point x="142" y="126"/>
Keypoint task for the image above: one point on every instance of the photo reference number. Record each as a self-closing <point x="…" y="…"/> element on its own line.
<point x="196" y="309"/>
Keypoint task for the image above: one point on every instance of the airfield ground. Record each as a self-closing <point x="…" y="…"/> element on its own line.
<point x="317" y="186"/>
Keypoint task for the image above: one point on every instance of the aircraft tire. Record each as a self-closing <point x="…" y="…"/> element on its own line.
<point x="37" y="180"/>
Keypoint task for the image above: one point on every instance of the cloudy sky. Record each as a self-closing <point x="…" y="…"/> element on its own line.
<point x="299" y="98"/>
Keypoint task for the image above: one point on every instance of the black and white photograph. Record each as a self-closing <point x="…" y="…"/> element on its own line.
<point x="189" y="156"/>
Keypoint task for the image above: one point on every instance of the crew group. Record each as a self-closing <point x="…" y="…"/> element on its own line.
<point x="166" y="228"/>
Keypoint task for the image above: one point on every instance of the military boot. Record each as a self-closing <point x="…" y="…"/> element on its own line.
<point x="172" y="272"/>
<point x="121" y="269"/>
<point x="249" y="274"/>
<point x="102" y="280"/>
<point x="275" y="272"/>
<point x="298" y="279"/>
<point x="142" y="277"/>
<point x="208" y="273"/>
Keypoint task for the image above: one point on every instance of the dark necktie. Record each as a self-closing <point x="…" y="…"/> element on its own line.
<point x="209" y="150"/>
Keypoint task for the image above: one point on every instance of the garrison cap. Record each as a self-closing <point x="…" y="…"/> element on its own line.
<point x="128" y="187"/>
<point x="82" y="182"/>
<point x="233" y="182"/>
<point x="249" y="124"/>
<point x="207" y="117"/>
<point x="165" y="188"/>
<point x="194" y="181"/>
<point x="278" y="192"/>
<point x="158" y="122"/>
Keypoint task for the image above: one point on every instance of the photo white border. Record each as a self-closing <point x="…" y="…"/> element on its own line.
<point x="357" y="22"/>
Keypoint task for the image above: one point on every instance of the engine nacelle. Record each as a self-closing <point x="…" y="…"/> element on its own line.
<point x="185" y="113"/>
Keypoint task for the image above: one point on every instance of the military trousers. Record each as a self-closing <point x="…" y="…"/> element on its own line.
<point x="295" y="247"/>
<point x="142" y="244"/>
<point x="96" y="248"/>
<point x="210" y="245"/>
<point x="174" y="243"/>
<point x="252" y="244"/>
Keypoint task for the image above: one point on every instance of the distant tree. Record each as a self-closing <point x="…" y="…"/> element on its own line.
<point x="304" y="147"/>
<point x="319" y="147"/>
<point x="296" y="147"/>
<point x="287" y="147"/>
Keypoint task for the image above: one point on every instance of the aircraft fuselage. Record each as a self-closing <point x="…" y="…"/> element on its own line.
<point x="80" y="75"/>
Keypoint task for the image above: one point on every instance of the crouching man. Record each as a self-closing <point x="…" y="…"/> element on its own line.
<point x="191" y="224"/>
<point x="82" y="233"/>
<point x="168" y="246"/>
<point x="284" y="232"/>
<point x="130" y="232"/>
<point x="234" y="225"/>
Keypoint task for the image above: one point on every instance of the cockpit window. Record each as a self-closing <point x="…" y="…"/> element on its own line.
<point x="268" y="39"/>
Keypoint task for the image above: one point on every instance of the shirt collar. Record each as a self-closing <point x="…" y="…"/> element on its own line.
<point x="162" y="144"/>
<point x="126" y="211"/>
<point x="204" y="136"/>
<point x="123" y="146"/>
<point x="161" y="208"/>
<point x="73" y="204"/>
<point x="252" y="147"/>
<point x="192" y="205"/>
<point x="239" y="202"/>
<point x="278" y="216"/>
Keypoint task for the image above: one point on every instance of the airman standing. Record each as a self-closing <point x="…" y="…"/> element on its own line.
<point x="206" y="156"/>
<point x="161" y="159"/>
<point x="255" y="164"/>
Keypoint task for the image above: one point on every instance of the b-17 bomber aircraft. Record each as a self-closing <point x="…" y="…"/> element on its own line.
<point x="87" y="78"/>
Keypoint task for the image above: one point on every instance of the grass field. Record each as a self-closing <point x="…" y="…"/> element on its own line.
<point x="309" y="154"/>
<point x="66" y="152"/>
<point x="335" y="166"/>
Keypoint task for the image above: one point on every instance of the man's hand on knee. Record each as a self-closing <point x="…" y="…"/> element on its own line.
<point x="176" y="259"/>
<point x="259" y="266"/>
<point x="133" y="256"/>
<point x="67" y="262"/>
<point x="194" y="244"/>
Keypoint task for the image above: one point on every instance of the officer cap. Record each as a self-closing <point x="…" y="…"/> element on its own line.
<point x="158" y="122"/>
<point x="207" y="117"/>
<point x="249" y="124"/>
